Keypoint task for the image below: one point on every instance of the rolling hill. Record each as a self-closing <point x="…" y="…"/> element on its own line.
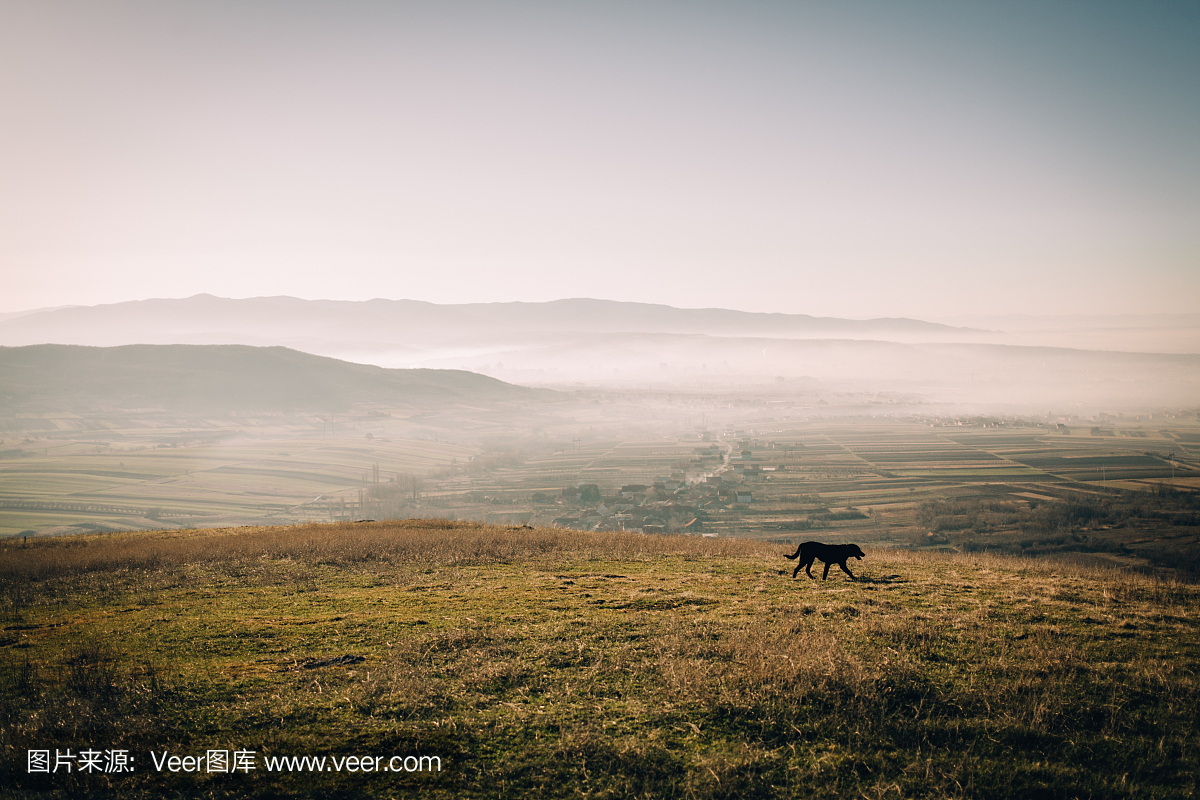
<point x="223" y="378"/>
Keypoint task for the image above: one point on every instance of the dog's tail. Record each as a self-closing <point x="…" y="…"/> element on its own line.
<point x="795" y="554"/>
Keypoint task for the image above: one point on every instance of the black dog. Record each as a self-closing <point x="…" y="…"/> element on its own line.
<point x="829" y="553"/>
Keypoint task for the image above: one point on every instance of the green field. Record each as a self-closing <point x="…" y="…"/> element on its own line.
<point x="565" y="664"/>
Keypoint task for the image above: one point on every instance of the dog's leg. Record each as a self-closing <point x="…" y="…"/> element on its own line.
<point x="797" y="570"/>
<point x="825" y="574"/>
<point x="846" y="570"/>
<point x="808" y="567"/>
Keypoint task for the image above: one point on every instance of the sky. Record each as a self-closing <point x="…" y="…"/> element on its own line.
<point x="855" y="159"/>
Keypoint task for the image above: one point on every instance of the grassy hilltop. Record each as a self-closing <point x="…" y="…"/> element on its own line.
<point x="591" y="665"/>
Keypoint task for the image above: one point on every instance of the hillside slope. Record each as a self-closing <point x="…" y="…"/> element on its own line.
<point x="73" y="378"/>
<point x="550" y="663"/>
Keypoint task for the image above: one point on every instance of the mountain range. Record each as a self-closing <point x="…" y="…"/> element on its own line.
<point x="413" y="324"/>
<point x="610" y="343"/>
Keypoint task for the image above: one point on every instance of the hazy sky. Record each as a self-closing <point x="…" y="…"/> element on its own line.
<point x="843" y="158"/>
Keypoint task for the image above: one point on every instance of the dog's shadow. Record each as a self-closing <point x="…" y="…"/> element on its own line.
<point x="872" y="579"/>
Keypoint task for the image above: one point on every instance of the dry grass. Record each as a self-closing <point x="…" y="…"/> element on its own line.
<point x="607" y="665"/>
<point x="432" y="542"/>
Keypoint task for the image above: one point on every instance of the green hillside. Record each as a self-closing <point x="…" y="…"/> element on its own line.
<point x="223" y="378"/>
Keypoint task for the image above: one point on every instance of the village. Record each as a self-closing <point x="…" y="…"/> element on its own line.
<point x="715" y="481"/>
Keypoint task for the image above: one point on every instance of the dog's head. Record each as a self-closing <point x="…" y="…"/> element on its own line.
<point x="857" y="552"/>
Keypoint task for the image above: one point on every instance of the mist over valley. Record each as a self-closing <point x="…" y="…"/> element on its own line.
<point x="591" y="415"/>
<point x="638" y="345"/>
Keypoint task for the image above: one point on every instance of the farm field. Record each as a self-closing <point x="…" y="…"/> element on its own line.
<point x="942" y="482"/>
<point x="110" y="470"/>
<point x="176" y="477"/>
<point x="568" y="664"/>
<point x="843" y="480"/>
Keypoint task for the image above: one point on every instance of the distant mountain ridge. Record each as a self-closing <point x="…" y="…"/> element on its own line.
<point x="224" y="378"/>
<point x="349" y="325"/>
<point x="567" y="343"/>
<point x="415" y="333"/>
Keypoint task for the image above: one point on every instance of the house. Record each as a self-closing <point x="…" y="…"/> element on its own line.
<point x="744" y="496"/>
